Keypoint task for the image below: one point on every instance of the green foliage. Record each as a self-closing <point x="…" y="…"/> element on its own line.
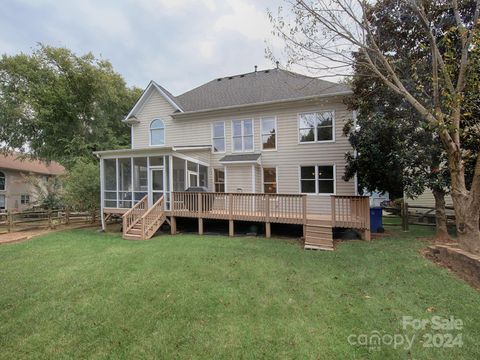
<point x="397" y="148"/>
<point x="82" y="186"/>
<point x="61" y="105"/>
<point x="48" y="192"/>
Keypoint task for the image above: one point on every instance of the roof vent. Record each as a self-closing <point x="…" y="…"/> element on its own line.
<point x="243" y="75"/>
<point x="230" y="77"/>
<point x="219" y="79"/>
<point x="256" y="68"/>
<point x="266" y="71"/>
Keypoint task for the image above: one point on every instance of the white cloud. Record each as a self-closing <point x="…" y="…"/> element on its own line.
<point x="169" y="7"/>
<point x="246" y="19"/>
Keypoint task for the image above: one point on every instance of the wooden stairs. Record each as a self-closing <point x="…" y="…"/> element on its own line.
<point x="318" y="235"/>
<point x="141" y="222"/>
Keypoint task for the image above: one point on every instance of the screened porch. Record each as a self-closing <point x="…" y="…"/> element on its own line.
<point x="126" y="180"/>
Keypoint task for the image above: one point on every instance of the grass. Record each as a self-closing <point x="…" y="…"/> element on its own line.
<point x="81" y="294"/>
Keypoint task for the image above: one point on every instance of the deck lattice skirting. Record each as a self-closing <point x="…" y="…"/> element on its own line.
<point x="141" y="222"/>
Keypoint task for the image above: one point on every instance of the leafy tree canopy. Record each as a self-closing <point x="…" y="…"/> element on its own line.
<point x="60" y="106"/>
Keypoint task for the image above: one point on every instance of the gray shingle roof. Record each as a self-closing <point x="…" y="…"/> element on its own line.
<point x="240" y="157"/>
<point x="255" y="87"/>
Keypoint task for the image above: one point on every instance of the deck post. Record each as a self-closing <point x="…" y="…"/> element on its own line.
<point x="200" y="226"/>
<point x="231" y="230"/>
<point x="9" y="221"/>
<point x="268" y="230"/>
<point x="173" y="225"/>
<point x="366" y="235"/>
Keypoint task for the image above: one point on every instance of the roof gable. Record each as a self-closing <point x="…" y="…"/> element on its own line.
<point x="152" y="86"/>
<point x="14" y="161"/>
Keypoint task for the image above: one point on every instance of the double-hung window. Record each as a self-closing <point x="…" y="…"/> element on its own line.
<point x="242" y="135"/>
<point x="219" y="180"/>
<point x="316" y="127"/>
<point x="318" y="179"/>
<point x="218" y="136"/>
<point x="270" y="180"/>
<point x="268" y="128"/>
<point x="25" y="199"/>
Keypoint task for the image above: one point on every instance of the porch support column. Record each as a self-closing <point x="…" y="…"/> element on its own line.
<point x="200" y="226"/>
<point x="231" y="231"/>
<point x="268" y="230"/>
<point x="173" y="225"/>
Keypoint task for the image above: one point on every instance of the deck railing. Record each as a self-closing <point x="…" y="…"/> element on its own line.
<point x="153" y="218"/>
<point x="133" y="215"/>
<point x="283" y="208"/>
<point x="351" y="212"/>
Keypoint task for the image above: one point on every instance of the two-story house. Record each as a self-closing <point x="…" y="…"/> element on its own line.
<point x="271" y="140"/>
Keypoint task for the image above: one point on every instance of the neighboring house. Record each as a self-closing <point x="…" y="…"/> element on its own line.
<point x="16" y="193"/>
<point x="269" y="131"/>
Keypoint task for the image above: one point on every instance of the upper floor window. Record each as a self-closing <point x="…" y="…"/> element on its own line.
<point x="2" y="181"/>
<point x="157" y="132"/>
<point x="242" y="135"/>
<point x="318" y="179"/>
<point x="316" y="127"/>
<point x="269" y="133"/>
<point x="218" y="137"/>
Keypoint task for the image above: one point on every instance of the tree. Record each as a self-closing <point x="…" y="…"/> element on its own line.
<point x="48" y="193"/>
<point x="336" y="34"/>
<point x="59" y="106"/>
<point x="82" y="186"/>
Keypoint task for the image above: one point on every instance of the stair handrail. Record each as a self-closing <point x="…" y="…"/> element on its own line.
<point x="131" y="217"/>
<point x="147" y="222"/>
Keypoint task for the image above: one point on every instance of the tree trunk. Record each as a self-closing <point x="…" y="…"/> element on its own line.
<point x="441" y="235"/>
<point x="467" y="217"/>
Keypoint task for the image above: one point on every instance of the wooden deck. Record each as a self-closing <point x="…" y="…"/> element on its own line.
<point x="347" y="212"/>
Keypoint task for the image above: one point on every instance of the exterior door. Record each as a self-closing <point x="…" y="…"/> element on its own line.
<point x="157" y="184"/>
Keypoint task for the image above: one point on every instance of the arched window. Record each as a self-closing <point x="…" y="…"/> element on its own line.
<point x="2" y="181"/>
<point x="157" y="132"/>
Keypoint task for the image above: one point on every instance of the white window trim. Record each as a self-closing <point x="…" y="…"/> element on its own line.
<point x="276" y="132"/>
<point x="276" y="177"/>
<point x="164" y="133"/>
<point x="316" y="193"/>
<point x="315" y="133"/>
<point x="224" y="180"/>
<point x="4" y="183"/>
<point x="242" y="136"/>
<point x="224" y="138"/>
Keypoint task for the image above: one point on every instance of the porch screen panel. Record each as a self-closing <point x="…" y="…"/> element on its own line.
<point x="140" y="179"/>
<point x="203" y="176"/>
<point x="110" y="182"/>
<point x="125" y="183"/>
<point x="178" y="171"/>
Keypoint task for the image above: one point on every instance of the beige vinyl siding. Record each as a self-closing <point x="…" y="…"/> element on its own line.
<point x="288" y="157"/>
<point x="239" y="178"/>
<point x="258" y="180"/>
<point x="427" y="199"/>
<point x="16" y="185"/>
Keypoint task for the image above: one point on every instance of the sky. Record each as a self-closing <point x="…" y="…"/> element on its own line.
<point x="178" y="43"/>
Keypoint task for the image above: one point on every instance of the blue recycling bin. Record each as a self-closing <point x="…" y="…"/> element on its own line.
<point x="376" y="223"/>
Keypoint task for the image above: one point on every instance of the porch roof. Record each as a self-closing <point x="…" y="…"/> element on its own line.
<point x="240" y="158"/>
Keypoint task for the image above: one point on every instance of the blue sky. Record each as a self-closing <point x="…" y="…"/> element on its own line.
<point x="178" y="43"/>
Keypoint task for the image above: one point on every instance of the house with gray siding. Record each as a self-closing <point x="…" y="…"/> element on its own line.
<point x="255" y="136"/>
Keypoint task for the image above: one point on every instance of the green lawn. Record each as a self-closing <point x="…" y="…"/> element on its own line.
<point x="82" y="294"/>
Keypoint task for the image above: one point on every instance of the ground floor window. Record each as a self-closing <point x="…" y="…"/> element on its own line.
<point x="270" y="180"/>
<point x="3" y="205"/>
<point x="25" y="199"/>
<point x="219" y="180"/>
<point x="317" y="179"/>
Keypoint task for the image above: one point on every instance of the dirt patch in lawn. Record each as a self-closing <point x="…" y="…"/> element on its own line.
<point x="462" y="263"/>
